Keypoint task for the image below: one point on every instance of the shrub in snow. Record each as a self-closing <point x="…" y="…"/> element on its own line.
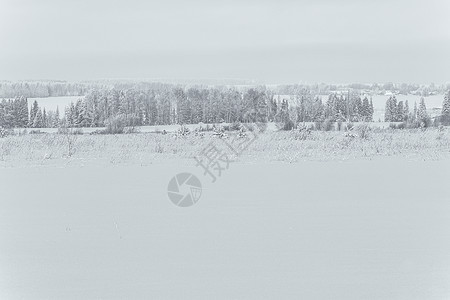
<point x="349" y="126"/>
<point x="350" y="134"/>
<point x="36" y="132"/>
<point x="288" y="125"/>
<point x="159" y="148"/>
<point x="219" y="133"/>
<point x="66" y="130"/>
<point x="70" y="143"/>
<point x="236" y="126"/>
<point x="392" y="126"/>
<point x="363" y="131"/>
<point x="115" y="124"/>
<point x="78" y="131"/>
<point x="402" y="125"/>
<point x="131" y="129"/>
<point x="226" y="127"/>
<point x="182" y="131"/>
<point x="95" y="132"/>
<point x="303" y="132"/>
<point x="242" y="133"/>
<point x="198" y="133"/>
<point x="207" y="128"/>
<point x="327" y="125"/>
<point x="4" y="132"/>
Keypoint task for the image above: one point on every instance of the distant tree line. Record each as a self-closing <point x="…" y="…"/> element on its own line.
<point x="399" y="112"/>
<point x="35" y="89"/>
<point x="40" y="118"/>
<point x="212" y="105"/>
<point x="53" y="88"/>
<point x="14" y="113"/>
<point x="349" y="107"/>
<point x="445" y="115"/>
<point x="375" y="88"/>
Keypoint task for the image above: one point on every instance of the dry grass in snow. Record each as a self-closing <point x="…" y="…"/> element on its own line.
<point x="292" y="146"/>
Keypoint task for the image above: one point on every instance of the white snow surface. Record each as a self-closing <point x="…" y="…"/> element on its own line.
<point x="357" y="229"/>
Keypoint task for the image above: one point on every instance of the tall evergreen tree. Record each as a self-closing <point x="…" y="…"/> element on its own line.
<point x="387" y="110"/>
<point x="365" y="113"/>
<point x="400" y="111"/>
<point x="372" y="110"/>
<point x="56" y="119"/>
<point x="445" y="114"/>
<point x="38" y="120"/>
<point x="330" y="107"/>
<point x="22" y="112"/>
<point x="44" y="119"/>
<point x="33" y="112"/>
<point x="414" y="115"/>
<point x="391" y="111"/>
<point x="9" y="114"/>
<point x="2" y="113"/>
<point x="422" y="115"/>
<point x="406" y="111"/>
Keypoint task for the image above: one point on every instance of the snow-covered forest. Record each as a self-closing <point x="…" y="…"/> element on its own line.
<point x="168" y="104"/>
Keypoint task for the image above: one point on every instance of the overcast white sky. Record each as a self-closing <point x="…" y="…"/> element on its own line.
<point x="282" y="41"/>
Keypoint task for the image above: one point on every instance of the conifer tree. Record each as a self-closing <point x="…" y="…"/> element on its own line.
<point x="371" y="110"/>
<point x="414" y="115"/>
<point x="406" y="111"/>
<point x="391" y="112"/>
<point x="365" y="109"/>
<point x="44" y="118"/>
<point x="393" y="109"/>
<point x="56" y="119"/>
<point x="9" y="116"/>
<point x="82" y="115"/>
<point x="50" y="117"/>
<point x="358" y="109"/>
<point x="330" y="110"/>
<point x="22" y="113"/>
<point x="38" y="119"/>
<point x="445" y="114"/>
<point x="400" y="112"/>
<point x="422" y="115"/>
<point x="2" y="113"/>
<point x="33" y="112"/>
<point x="387" y="110"/>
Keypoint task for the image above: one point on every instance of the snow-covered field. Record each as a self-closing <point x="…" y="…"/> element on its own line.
<point x="325" y="217"/>
<point x="284" y="146"/>
<point x="359" y="229"/>
<point x="51" y="103"/>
